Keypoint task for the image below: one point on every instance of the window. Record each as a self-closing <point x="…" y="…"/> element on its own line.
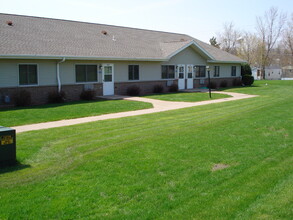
<point x="200" y="71"/>
<point x="168" y="72"/>
<point x="233" y="71"/>
<point x="86" y="73"/>
<point x="216" y="71"/>
<point x="28" y="74"/>
<point x="133" y="72"/>
<point x="108" y="73"/>
<point x="189" y="71"/>
<point x="181" y="71"/>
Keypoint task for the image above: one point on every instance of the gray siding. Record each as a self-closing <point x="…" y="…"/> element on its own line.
<point x="148" y="71"/>
<point x="9" y="72"/>
<point x="187" y="56"/>
<point x="225" y="70"/>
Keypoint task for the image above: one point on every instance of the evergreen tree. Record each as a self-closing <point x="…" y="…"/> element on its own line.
<point x="213" y="42"/>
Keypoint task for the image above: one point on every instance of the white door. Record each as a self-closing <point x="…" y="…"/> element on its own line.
<point x="189" y="76"/>
<point x="181" y="76"/>
<point x="108" y="79"/>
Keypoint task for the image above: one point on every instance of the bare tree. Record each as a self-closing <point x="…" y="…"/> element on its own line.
<point x="270" y="28"/>
<point x="249" y="49"/>
<point x="288" y="37"/>
<point x="228" y="39"/>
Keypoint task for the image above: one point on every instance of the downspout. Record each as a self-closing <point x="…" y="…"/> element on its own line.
<point x="58" y="75"/>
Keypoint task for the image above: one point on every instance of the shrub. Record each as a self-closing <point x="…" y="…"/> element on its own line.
<point x="22" y="98"/>
<point x="173" y="88"/>
<point x="212" y="85"/>
<point x="133" y="90"/>
<point x="237" y="82"/>
<point x="158" y="89"/>
<point x="247" y="80"/>
<point x="56" y="97"/>
<point x="246" y="70"/>
<point x="87" y="95"/>
<point x="224" y="84"/>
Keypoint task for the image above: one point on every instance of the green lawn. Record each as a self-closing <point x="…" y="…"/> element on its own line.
<point x="186" y="96"/>
<point x="54" y="112"/>
<point x="159" y="166"/>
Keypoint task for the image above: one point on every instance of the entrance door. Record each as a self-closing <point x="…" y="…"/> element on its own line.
<point x="108" y="79"/>
<point x="181" y="76"/>
<point x="189" y="76"/>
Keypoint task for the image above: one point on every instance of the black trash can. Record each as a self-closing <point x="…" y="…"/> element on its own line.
<point x="7" y="146"/>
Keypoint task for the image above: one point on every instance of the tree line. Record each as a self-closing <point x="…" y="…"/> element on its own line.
<point x="270" y="43"/>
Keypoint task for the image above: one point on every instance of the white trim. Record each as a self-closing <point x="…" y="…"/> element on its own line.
<point x="187" y="45"/>
<point x="109" y="84"/>
<point x="28" y="85"/>
<point x="81" y="58"/>
<point x="226" y="62"/>
<point x="89" y="82"/>
<point x="192" y="65"/>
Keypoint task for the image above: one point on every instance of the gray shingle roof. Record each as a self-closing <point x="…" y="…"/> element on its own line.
<point x="35" y="36"/>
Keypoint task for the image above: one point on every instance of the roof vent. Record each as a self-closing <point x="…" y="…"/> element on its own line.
<point x="104" y="32"/>
<point x="9" y="23"/>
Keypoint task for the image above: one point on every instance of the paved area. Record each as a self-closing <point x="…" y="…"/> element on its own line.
<point x="158" y="106"/>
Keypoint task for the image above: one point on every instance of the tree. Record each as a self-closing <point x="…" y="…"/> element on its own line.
<point x="249" y="48"/>
<point x="245" y="70"/>
<point x="288" y="37"/>
<point x="213" y="42"/>
<point x="270" y="28"/>
<point x="229" y="38"/>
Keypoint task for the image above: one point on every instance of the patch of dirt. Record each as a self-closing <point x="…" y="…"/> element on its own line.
<point x="220" y="166"/>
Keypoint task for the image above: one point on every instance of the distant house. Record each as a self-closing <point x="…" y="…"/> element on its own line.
<point x="273" y="72"/>
<point x="256" y="73"/>
<point x="43" y="55"/>
<point x="287" y="73"/>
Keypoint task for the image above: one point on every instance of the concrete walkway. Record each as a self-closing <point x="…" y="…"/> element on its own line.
<point x="159" y="106"/>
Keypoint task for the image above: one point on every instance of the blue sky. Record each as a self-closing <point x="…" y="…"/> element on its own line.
<point x="200" y="19"/>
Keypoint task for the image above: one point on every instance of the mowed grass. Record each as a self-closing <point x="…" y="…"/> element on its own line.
<point x="186" y="96"/>
<point x="54" y="112"/>
<point x="159" y="166"/>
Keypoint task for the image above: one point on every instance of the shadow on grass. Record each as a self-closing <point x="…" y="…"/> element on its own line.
<point x="48" y="106"/>
<point x="12" y="168"/>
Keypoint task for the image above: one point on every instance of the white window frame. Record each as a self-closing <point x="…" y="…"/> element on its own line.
<point x="91" y="82"/>
<point x="28" y="85"/>
<point x="175" y="71"/>
<point x="200" y="77"/>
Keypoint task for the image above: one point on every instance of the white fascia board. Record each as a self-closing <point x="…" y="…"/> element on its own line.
<point x="187" y="45"/>
<point x="219" y="61"/>
<point x="44" y="57"/>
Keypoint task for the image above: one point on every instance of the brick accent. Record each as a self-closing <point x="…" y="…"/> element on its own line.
<point x="147" y="87"/>
<point x="39" y="94"/>
<point x="218" y="81"/>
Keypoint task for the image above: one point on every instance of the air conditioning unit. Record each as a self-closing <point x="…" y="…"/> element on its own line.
<point x="88" y="87"/>
<point x="170" y="82"/>
<point x="201" y="81"/>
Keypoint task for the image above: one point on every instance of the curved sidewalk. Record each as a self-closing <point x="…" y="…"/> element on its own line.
<point x="158" y="106"/>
